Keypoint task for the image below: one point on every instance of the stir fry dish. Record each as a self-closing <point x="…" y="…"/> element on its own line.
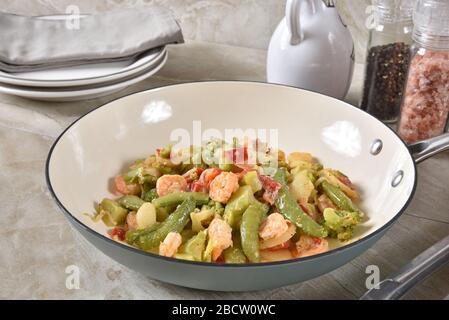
<point x="209" y="206"/>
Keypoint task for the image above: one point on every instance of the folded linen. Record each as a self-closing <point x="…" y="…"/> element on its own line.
<point x="32" y="43"/>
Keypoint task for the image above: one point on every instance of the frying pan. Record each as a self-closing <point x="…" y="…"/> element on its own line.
<point x="98" y="145"/>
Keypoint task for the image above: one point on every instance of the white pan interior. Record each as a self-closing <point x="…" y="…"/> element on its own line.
<point x="99" y="145"/>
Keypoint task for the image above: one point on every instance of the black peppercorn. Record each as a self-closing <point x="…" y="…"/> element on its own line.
<point x="385" y="79"/>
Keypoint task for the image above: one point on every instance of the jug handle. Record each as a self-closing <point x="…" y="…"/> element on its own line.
<point x="293" y="21"/>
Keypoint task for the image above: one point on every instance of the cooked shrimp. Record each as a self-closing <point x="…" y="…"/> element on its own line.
<point x="309" y="246"/>
<point x="274" y="226"/>
<point x="223" y="186"/>
<point x="220" y="233"/>
<point x="170" y="245"/>
<point x="208" y="175"/>
<point x="131" y="221"/>
<point x="170" y="183"/>
<point x="126" y="189"/>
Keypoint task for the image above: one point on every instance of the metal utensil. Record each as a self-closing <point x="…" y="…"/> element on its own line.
<point x="416" y="271"/>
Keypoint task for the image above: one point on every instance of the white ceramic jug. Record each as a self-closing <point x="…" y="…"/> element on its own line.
<point x="312" y="49"/>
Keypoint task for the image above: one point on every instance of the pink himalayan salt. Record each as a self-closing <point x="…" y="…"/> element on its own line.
<point x="426" y="102"/>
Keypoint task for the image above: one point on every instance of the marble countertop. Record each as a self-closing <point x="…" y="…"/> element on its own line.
<point x="38" y="243"/>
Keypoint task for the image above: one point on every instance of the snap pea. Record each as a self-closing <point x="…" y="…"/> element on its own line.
<point x="178" y="197"/>
<point x="293" y="212"/>
<point x="338" y="197"/>
<point x="249" y="231"/>
<point x="176" y="222"/>
<point x="131" y="202"/>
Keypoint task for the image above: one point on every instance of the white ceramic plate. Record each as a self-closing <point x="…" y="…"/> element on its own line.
<point x="98" y="73"/>
<point x="81" y="93"/>
<point x="338" y="134"/>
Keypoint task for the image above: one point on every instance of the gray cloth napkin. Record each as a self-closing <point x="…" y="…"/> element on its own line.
<point x="30" y="43"/>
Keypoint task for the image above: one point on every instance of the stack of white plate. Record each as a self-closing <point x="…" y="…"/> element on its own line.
<point x="85" y="81"/>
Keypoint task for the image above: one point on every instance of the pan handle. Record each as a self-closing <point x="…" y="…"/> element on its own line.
<point x="417" y="270"/>
<point x="428" y="148"/>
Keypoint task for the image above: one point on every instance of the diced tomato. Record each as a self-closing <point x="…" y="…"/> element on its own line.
<point x="271" y="188"/>
<point x="316" y="240"/>
<point x="284" y="245"/>
<point x="198" y="186"/>
<point x="346" y="181"/>
<point x="220" y="259"/>
<point x="237" y="155"/>
<point x="117" y="233"/>
<point x="304" y="208"/>
<point x="269" y="197"/>
<point x="269" y="183"/>
<point x="208" y="175"/>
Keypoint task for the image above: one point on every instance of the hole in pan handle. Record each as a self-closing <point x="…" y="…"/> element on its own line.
<point x="428" y="148"/>
<point x="398" y="284"/>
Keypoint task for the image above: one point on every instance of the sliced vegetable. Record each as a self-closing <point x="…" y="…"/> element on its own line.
<point x="207" y="255"/>
<point x="273" y="256"/>
<point x="184" y="256"/>
<point x="114" y="214"/>
<point x="237" y="204"/>
<point x="296" y="158"/>
<point x="290" y="209"/>
<point x="198" y="217"/>
<point x="251" y="179"/>
<point x="234" y="255"/>
<point x="195" y="246"/>
<point x="302" y="187"/>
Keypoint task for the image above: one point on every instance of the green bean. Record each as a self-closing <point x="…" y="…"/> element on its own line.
<point x="293" y="212"/>
<point x="249" y="231"/>
<point x="176" y="222"/>
<point x="178" y="197"/>
<point x="149" y="195"/>
<point x="133" y="235"/>
<point x="131" y="202"/>
<point x="338" y="197"/>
